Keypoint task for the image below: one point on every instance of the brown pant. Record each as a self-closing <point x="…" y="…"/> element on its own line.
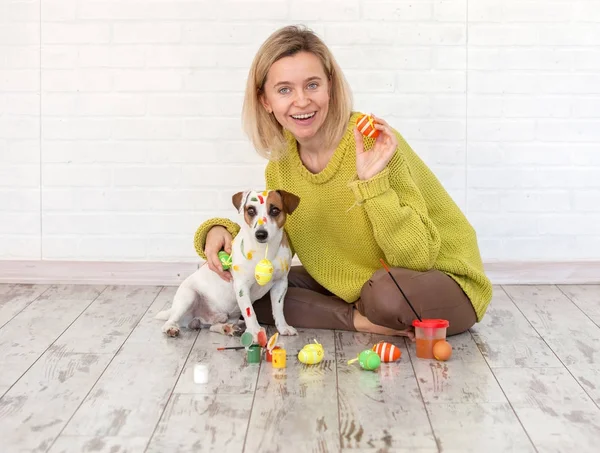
<point x="432" y="294"/>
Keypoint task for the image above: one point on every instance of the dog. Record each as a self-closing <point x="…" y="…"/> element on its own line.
<point x="204" y="299"/>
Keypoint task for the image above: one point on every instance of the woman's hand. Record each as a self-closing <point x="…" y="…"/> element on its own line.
<point x="370" y="163"/>
<point x="217" y="239"/>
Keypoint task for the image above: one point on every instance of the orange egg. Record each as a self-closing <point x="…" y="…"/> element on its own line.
<point x="366" y="126"/>
<point x="442" y="350"/>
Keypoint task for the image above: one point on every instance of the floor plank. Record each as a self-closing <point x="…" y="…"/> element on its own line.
<point x="109" y="320"/>
<point x="586" y="297"/>
<point x="14" y="298"/>
<point x="379" y="409"/>
<point x="203" y="423"/>
<point x="557" y="414"/>
<point x="506" y="338"/>
<point x="297" y="406"/>
<point x="464" y="402"/>
<point x="68" y="444"/>
<point x="130" y="396"/>
<point x="73" y="353"/>
<point x="90" y="365"/>
<point x="38" y="406"/>
<point x="228" y="370"/>
<point x="479" y="427"/>
<point x="573" y="337"/>
<point x="462" y="379"/>
<point x="25" y="338"/>
<point x="588" y="377"/>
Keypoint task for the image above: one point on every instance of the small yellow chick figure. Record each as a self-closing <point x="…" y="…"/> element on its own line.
<point x="263" y="272"/>
<point x="311" y="353"/>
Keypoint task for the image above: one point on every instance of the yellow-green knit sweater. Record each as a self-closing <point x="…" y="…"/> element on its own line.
<point x="343" y="226"/>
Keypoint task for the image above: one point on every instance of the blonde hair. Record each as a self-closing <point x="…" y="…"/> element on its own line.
<point x="266" y="134"/>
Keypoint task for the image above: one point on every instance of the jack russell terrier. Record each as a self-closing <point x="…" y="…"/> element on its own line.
<point x="205" y="299"/>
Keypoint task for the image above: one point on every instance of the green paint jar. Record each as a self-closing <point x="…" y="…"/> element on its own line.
<point x="253" y="354"/>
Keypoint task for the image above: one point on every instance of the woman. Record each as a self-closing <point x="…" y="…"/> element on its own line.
<point x="362" y="200"/>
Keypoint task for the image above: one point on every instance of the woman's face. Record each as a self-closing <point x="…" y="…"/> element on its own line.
<point x="296" y="91"/>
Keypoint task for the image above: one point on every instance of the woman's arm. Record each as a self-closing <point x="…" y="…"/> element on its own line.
<point x="398" y="213"/>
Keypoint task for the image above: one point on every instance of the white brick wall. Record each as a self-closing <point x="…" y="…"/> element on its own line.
<point x="120" y="128"/>
<point x="20" y="130"/>
<point x="533" y="91"/>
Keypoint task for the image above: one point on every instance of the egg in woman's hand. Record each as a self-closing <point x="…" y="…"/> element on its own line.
<point x="442" y="350"/>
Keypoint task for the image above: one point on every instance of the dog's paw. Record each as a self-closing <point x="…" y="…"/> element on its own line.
<point x="226" y="329"/>
<point x="286" y="330"/>
<point x="171" y="330"/>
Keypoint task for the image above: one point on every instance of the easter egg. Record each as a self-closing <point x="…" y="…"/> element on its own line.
<point x="387" y="352"/>
<point x="311" y="354"/>
<point x="225" y="259"/>
<point x="369" y="360"/>
<point x="442" y="350"/>
<point x="263" y="272"/>
<point x="366" y="126"/>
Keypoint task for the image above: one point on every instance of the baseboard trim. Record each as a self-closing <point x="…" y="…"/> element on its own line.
<point x="540" y="273"/>
<point x="96" y="272"/>
<point x="172" y="274"/>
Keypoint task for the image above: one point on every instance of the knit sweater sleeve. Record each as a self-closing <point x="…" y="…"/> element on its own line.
<point x="204" y="228"/>
<point x="398" y="214"/>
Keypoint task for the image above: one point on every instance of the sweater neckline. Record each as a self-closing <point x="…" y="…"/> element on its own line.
<point x="334" y="162"/>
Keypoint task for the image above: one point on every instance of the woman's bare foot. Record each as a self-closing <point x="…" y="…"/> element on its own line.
<point x="362" y="324"/>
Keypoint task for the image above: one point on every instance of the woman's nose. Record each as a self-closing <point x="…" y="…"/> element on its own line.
<point x="301" y="99"/>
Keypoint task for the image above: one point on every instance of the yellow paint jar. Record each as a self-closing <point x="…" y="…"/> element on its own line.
<point x="278" y="358"/>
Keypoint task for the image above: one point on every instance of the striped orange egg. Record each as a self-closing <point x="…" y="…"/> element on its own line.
<point x="366" y="126"/>
<point x="387" y="351"/>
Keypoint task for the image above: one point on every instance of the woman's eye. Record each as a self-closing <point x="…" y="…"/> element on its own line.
<point x="313" y="85"/>
<point x="251" y="212"/>
<point x="284" y="90"/>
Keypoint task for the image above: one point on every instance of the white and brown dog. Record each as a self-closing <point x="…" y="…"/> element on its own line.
<point x="205" y="299"/>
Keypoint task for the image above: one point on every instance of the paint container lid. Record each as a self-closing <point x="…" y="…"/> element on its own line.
<point x="431" y="323"/>
<point x="246" y="339"/>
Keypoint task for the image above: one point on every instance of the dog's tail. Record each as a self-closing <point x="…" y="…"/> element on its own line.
<point x="163" y="315"/>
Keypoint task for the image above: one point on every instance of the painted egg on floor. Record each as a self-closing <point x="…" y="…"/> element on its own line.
<point x="311" y="354"/>
<point x="387" y="352"/>
<point x="366" y="126"/>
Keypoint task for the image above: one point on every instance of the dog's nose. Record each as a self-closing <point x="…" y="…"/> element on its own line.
<point x="261" y="235"/>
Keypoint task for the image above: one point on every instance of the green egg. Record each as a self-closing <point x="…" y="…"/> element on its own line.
<point x="369" y="360"/>
<point x="225" y="259"/>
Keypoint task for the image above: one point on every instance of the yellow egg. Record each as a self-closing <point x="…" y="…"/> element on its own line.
<point x="311" y="354"/>
<point x="263" y="272"/>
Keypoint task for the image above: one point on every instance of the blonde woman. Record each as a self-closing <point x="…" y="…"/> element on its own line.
<point x="362" y="200"/>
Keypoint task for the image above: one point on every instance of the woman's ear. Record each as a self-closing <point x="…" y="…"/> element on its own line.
<point x="265" y="103"/>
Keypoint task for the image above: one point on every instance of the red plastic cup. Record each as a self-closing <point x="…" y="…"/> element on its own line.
<point x="427" y="333"/>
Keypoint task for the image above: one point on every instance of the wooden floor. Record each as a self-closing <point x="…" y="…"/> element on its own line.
<point x="86" y="369"/>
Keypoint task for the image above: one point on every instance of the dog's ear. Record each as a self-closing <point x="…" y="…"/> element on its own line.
<point x="289" y="200"/>
<point x="237" y="200"/>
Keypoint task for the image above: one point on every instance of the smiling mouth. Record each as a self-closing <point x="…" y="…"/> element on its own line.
<point x="304" y="116"/>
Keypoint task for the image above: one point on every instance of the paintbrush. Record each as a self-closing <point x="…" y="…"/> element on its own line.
<point x="231" y="347"/>
<point x="406" y="298"/>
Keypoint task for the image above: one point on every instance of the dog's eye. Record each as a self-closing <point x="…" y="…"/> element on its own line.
<point x="251" y="211"/>
<point x="274" y="212"/>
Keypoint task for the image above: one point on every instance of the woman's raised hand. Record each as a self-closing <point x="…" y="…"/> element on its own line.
<point x="370" y="163"/>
